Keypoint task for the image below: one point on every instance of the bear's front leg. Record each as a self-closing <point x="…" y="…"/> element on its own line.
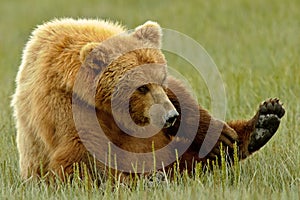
<point x="65" y="157"/>
<point x="256" y="132"/>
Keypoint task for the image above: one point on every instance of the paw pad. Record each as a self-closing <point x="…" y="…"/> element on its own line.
<point x="267" y="123"/>
<point x="272" y="106"/>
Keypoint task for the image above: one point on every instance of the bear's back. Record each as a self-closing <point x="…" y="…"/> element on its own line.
<point x="57" y="44"/>
<point x="51" y="59"/>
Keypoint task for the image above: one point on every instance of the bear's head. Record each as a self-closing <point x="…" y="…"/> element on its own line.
<point x="126" y="75"/>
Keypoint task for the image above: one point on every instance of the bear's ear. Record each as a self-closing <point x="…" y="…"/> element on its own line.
<point x="149" y="32"/>
<point x="85" y="50"/>
<point x="95" y="56"/>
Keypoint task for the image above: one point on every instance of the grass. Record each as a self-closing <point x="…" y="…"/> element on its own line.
<point x="255" y="45"/>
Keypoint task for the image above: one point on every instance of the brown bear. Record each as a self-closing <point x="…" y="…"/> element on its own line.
<point x="89" y="90"/>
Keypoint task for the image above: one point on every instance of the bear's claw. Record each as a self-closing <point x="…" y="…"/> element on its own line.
<point x="267" y="123"/>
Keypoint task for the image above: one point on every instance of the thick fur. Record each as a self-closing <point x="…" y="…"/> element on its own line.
<point x="47" y="138"/>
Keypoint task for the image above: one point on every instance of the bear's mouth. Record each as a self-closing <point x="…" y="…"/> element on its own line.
<point x="169" y="122"/>
<point x="170" y="118"/>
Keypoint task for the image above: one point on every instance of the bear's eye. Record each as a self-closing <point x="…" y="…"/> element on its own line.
<point x="143" y="89"/>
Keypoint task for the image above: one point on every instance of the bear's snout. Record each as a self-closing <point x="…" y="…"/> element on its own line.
<point x="171" y="118"/>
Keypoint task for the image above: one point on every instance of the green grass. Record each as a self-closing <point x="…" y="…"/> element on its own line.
<point x="255" y="45"/>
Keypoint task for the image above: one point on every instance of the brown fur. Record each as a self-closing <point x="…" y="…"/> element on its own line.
<point x="46" y="133"/>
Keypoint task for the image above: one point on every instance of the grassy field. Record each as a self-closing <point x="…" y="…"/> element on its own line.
<point x="256" y="46"/>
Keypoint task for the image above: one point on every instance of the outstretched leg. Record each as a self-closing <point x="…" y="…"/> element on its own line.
<point x="256" y="132"/>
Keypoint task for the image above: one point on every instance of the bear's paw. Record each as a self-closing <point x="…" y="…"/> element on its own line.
<point x="269" y="114"/>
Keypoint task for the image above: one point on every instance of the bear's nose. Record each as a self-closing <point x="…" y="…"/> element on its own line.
<point x="171" y="118"/>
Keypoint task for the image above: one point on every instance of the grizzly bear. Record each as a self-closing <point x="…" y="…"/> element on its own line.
<point x="89" y="92"/>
